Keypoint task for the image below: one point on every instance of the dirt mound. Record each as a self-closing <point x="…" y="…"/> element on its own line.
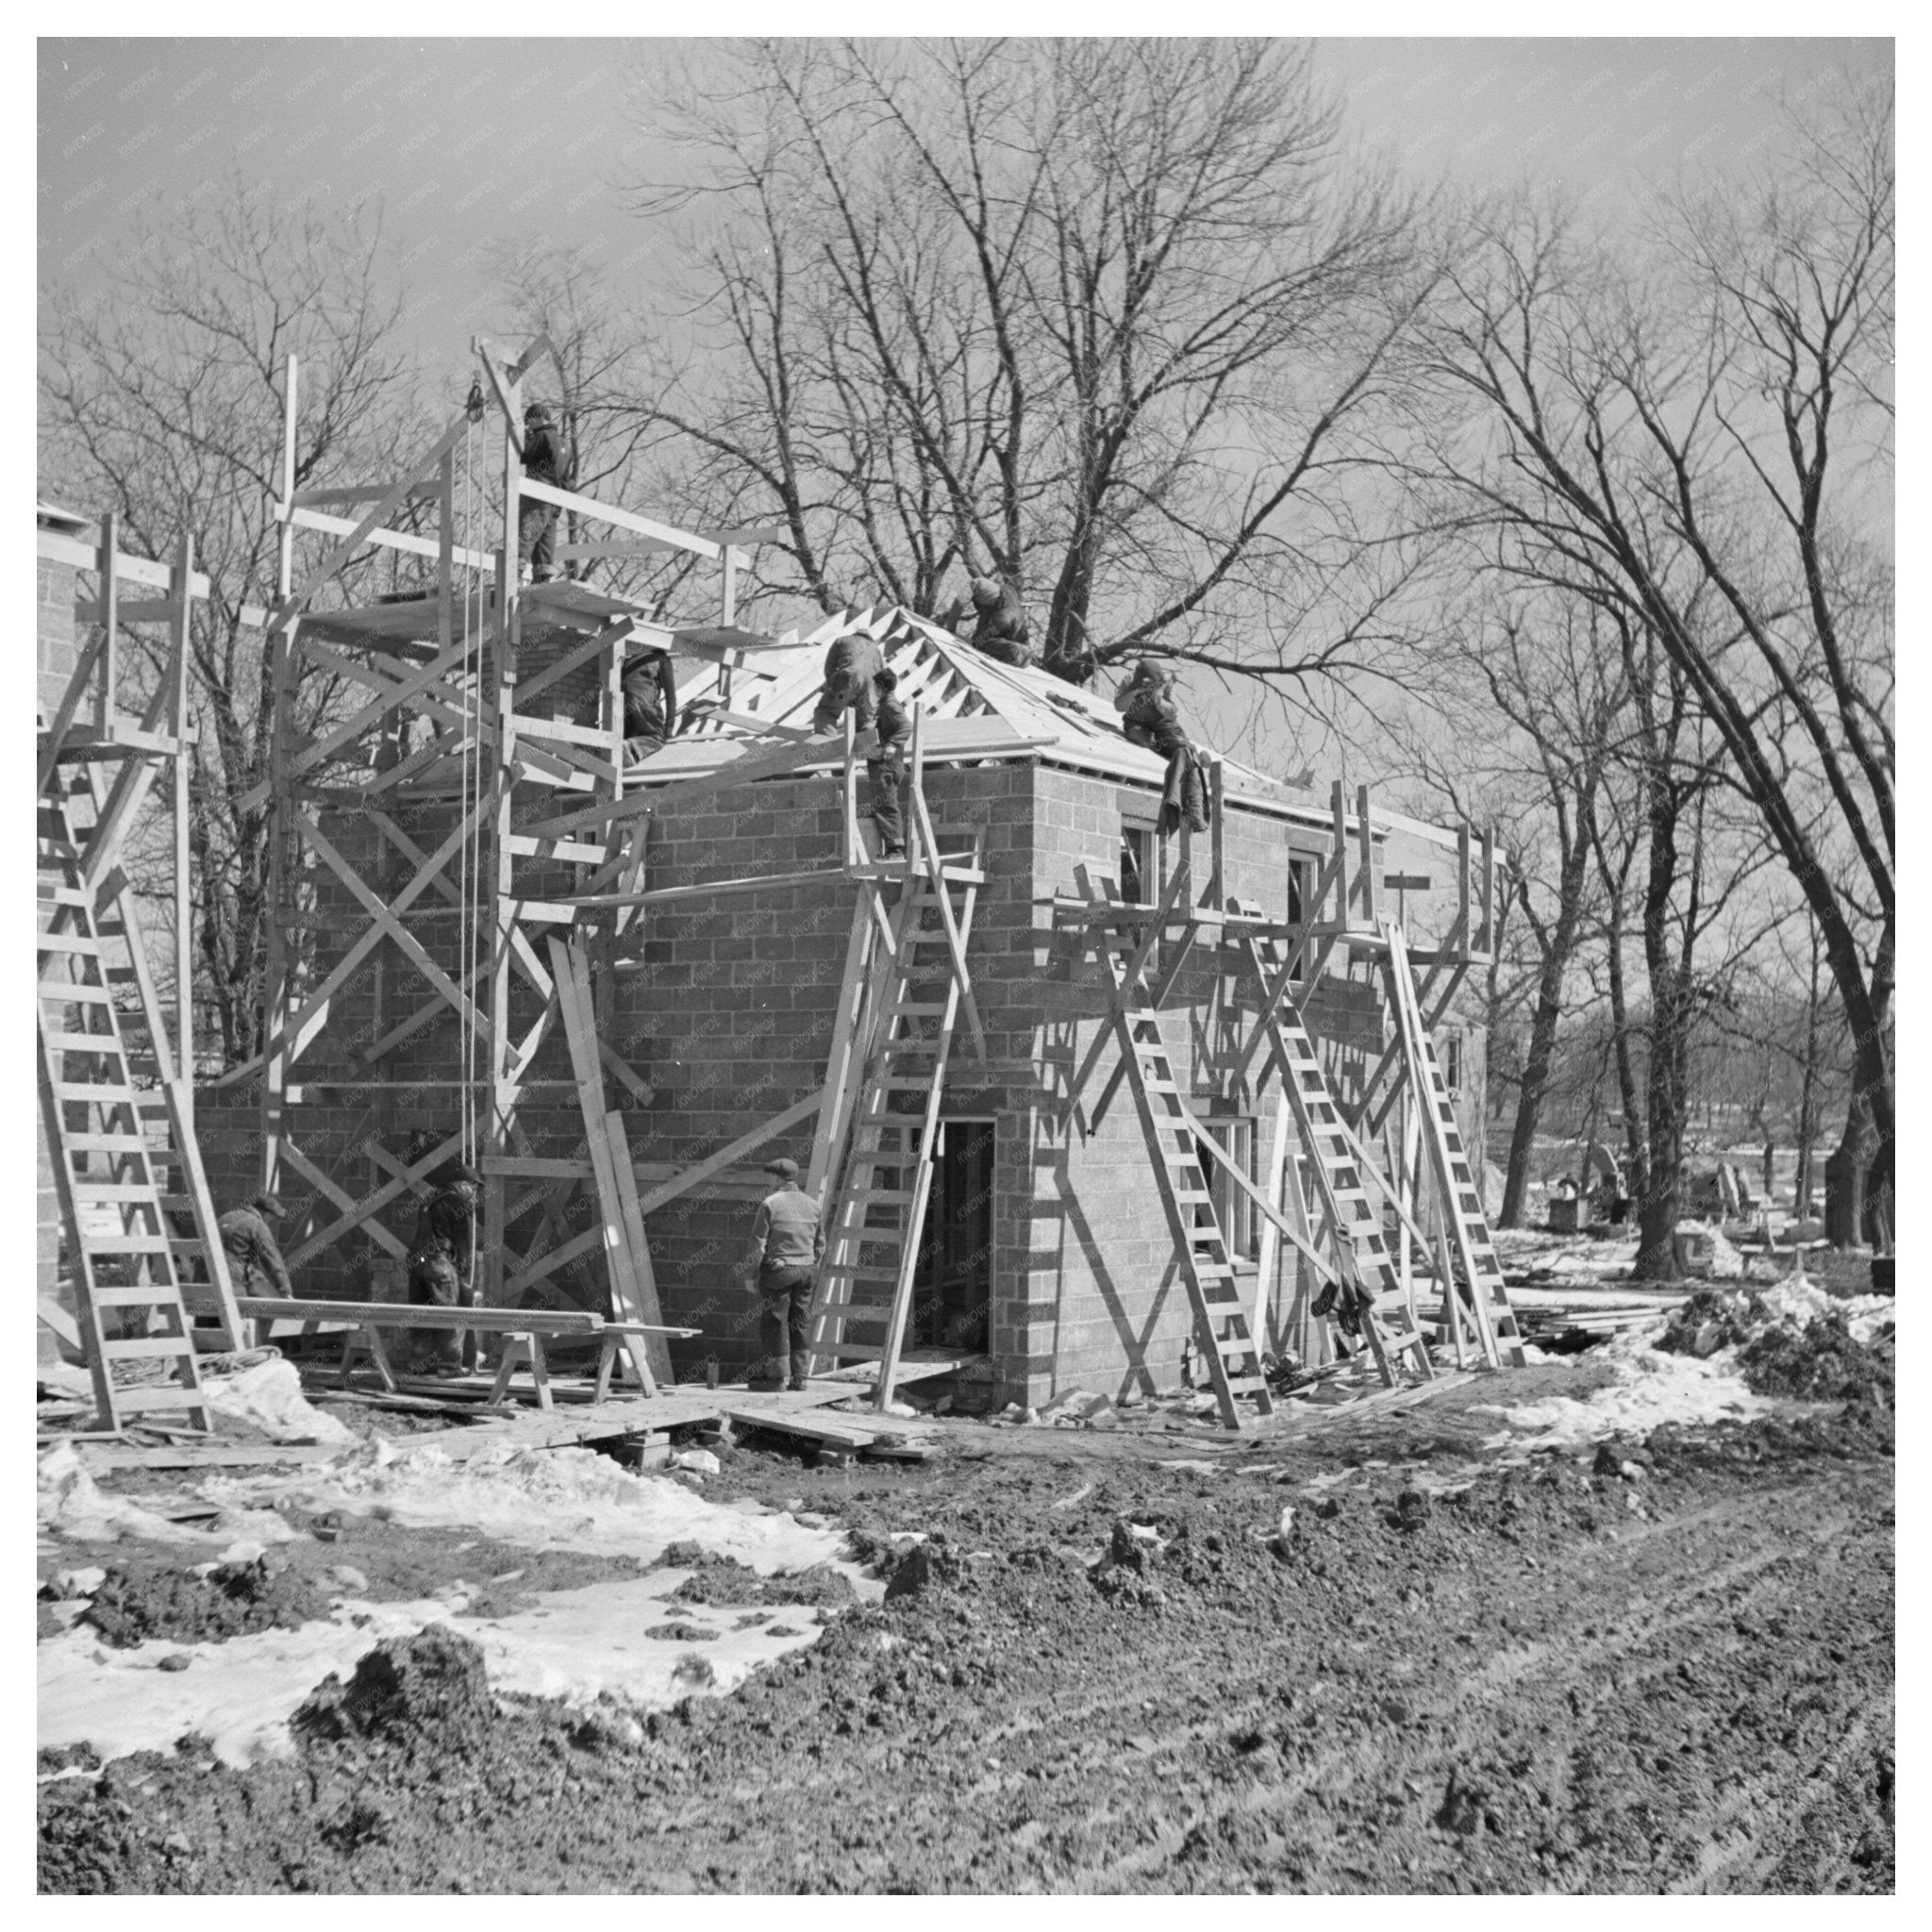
<point x="427" y="1692"/>
<point x="1819" y="1362"/>
<point x="1713" y="1319"/>
<point x="233" y="1600"/>
<point x="723" y="1583"/>
<point x="1669" y="1667"/>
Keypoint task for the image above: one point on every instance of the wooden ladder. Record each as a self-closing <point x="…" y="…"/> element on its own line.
<point x="1460" y="1191"/>
<point x="115" y="1213"/>
<point x="1167" y="1125"/>
<point x="1381" y="1304"/>
<point x="872" y="1250"/>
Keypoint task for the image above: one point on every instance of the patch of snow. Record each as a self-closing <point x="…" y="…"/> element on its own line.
<point x="69" y="1504"/>
<point x="268" y="1396"/>
<point x="1800" y="1301"/>
<point x="1649" y="1388"/>
<point x="576" y="1645"/>
<point x="541" y="1499"/>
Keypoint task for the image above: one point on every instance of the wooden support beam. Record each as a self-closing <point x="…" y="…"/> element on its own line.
<point x="590" y="509"/>
<point x="728" y="1156"/>
<point x="337" y="560"/>
<point x="1176" y="886"/>
<point x="1367" y="860"/>
<point x="956" y="946"/>
<point x="633" y="1295"/>
<point x="400" y="691"/>
<point x="1280" y="1222"/>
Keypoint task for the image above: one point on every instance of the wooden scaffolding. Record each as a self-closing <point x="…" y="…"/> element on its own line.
<point x="508" y="913"/>
<point x="116" y="1069"/>
<point x="1379" y="1155"/>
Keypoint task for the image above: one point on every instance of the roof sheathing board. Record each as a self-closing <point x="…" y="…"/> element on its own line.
<point x="1083" y="729"/>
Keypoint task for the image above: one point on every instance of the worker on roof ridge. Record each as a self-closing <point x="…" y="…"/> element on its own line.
<point x="1001" y="630"/>
<point x="1150" y="717"/>
<point x="852" y="663"/>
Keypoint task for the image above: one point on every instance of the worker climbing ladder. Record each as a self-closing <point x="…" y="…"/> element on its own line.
<point x="1487" y="1295"/>
<point x="1226" y="1342"/>
<point x="126" y="1254"/>
<point x="871" y="1248"/>
<point x="1381" y="1304"/>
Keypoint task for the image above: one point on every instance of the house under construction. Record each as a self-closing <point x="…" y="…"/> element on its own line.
<point x="1075" y="1098"/>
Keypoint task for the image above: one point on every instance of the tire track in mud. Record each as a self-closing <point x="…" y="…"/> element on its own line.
<point x="1540" y="1689"/>
<point x="1633" y="1647"/>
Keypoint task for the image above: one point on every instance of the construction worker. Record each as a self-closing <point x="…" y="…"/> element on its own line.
<point x="851" y="665"/>
<point x="536" y="521"/>
<point x="894" y="726"/>
<point x="442" y="1258"/>
<point x="650" y="703"/>
<point x="1150" y="717"/>
<point x="788" y="1244"/>
<point x="1001" y="631"/>
<point x="254" y="1261"/>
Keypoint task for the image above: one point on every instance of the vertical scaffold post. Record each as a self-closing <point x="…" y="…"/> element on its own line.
<point x="184" y="899"/>
<point x="278" y="1005"/>
<point x="497" y="766"/>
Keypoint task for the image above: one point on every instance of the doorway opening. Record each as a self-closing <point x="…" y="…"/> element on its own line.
<point x="952" y="1286"/>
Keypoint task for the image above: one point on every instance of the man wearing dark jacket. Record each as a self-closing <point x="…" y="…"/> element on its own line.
<point x="536" y="521"/>
<point x="789" y="1243"/>
<point x="440" y="1261"/>
<point x="650" y="703"/>
<point x="851" y="665"/>
<point x="887" y="772"/>
<point x="1150" y="718"/>
<point x="1001" y="631"/>
<point x="255" y="1260"/>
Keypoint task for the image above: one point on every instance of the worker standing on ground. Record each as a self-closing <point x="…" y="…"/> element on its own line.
<point x="650" y="703"/>
<point x="1150" y="717"/>
<point x="894" y="724"/>
<point x="255" y="1260"/>
<point x="1001" y="631"/>
<point x="536" y="520"/>
<point x="851" y="665"/>
<point x="442" y="1262"/>
<point x="789" y="1243"/>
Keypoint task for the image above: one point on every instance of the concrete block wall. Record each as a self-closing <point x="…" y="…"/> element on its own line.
<point x="730" y="1014"/>
<point x="1104" y="1306"/>
<point x="727" y="1012"/>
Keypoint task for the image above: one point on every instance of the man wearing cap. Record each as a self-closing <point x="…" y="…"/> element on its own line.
<point x="254" y="1261"/>
<point x="537" y="520"/>
<point x="1001" y="631"/>
<point x="789" y="1244"/>
<point x="852" y="663"/>
<point x="441" y="1259"/>
<point x="650" y="703"/>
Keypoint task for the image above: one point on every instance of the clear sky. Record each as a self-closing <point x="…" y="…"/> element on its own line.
<point x="472" y="142"/>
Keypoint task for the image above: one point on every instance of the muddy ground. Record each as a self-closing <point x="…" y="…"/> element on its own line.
<point x="1665" y="1665"/>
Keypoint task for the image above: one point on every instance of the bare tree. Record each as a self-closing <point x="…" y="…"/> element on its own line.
<point x="161" y="397"/>
<point x="1544" y="703"/>
<point x="1699" y="444"/>
<point x="1104" y="316"/>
